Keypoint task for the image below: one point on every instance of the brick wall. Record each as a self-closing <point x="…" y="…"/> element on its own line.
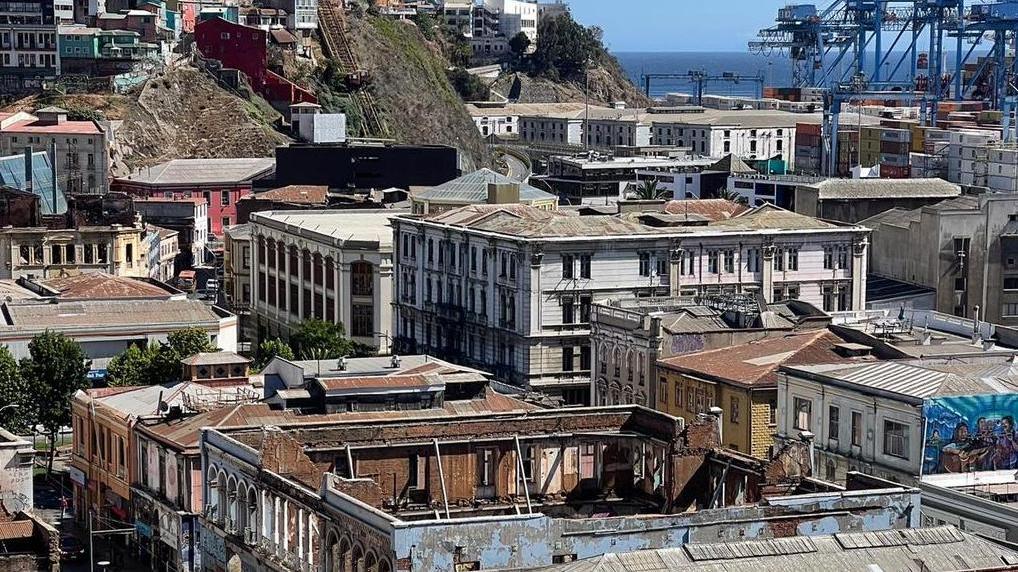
<point x="763" y="431"/>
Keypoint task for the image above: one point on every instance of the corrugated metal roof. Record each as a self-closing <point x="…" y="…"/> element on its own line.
<point x="894" y="377"/>
<point x="29" y="316"/>
<point x="473" y="188"/>
<point x="203" y="171"/>
<point x="831" y="189"/>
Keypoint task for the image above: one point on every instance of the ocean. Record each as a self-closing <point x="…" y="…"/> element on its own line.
<point x="776" y="70"/>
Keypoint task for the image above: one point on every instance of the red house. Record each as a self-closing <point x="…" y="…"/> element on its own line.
<point x="221" y="182"/>
<point x="244" y="48"/>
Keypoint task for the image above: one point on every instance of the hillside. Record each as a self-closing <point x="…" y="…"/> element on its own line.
<point x="410" y="87"/>
<point x="606" y="86"/>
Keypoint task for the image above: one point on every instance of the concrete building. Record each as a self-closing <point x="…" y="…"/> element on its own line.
<point x="635" y="333"/>
<point x="221" y="182"/>
<point x="595" y="175"/>
<point x="313" y="126"/>
<point x="269" y="503"/>
<point x="756" y="189"/>
<point x="29" y="52"/>
<point x="329" y="265"/>
<point x="853" y="200"/>
<point x="751" y="134"/>
<point x="965" y="248"/>
<point x="237" y="275"/>
<point x="509" y="288"/>
<point x="189" y="218"/>
<point x="81" y="158"/>
<point x="458" y="16"/>
<point x="164" y="248"/>
<point x="980" y="503"/>
<point x="17" y="459"/>
<point x="506" y="18"/>
<point x="504" y="120"/>
<point x="107" y="458"/>
<point x="483" y="186"/>
<point x="45" y="252"/>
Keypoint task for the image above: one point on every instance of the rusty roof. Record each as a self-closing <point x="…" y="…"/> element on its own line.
<point x="296" y="194"/>
<point x="756" y="364"/>
<point x="382" y="383"/>
<point x="184" y="433"/>
<point x="711" y="209"/>
<point x="16" y="529"/>
<point x="102" y="286"/>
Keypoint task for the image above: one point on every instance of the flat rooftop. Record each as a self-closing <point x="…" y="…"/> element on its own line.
<point x="368" y="229"/>
<point x="202" y="171"/>
<point x="28" y="317"/>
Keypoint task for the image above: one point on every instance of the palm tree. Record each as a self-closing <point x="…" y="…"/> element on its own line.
<point x="648" y="191"/>
<point x="733" y="196"/>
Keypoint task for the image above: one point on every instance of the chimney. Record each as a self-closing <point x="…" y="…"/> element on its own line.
<point x="503" y="193"/>
<point x="28" y="169"/>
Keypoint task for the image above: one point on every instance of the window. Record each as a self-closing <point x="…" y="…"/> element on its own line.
<point x="678" y="393"/>
<point x="417" y="472"/>
<point x="856" y="429"/>
<point x="793" y="259"/>
<point x="567" y="266"/>
<point x="803" y="412"/>
<point x="585" y="358"/>
<point x="1010" y="309"/>
<point x="129" y="253"/>
<point x="585" y="266"/>
<point x="833" y="423"/>
<point x="644" y="264"/>
<point x="584" y="309"/>
<point x="896" y="439"/>
<point x="729" y="258"/>
<point x="224" y="198"/>
<point x="733" y="409"/>
<point x="753" y="260"/>
<point x="567" y="358"/>
<point x="712" y="262"/>
<point x="568" y="314"/>
<point x="779" y="260"/>
<point x="486" y="467"/>
<point x="772" y="413"/>
<point x="529" y="462"/>
<point x="363" y="320"/>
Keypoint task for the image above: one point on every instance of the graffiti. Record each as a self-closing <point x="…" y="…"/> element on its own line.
<point x="970" y="433"/>
<point x="687" y="343"/>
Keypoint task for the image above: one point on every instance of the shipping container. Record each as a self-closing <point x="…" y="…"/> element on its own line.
<point x="894" y="172"/>
<point x="895" y="148"/>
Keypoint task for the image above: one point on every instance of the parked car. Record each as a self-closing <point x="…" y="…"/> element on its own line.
<point x="71" y="548"/>
<point x="212" y="285"/>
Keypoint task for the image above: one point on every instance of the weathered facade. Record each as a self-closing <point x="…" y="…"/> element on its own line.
<point x="509" y="491"/>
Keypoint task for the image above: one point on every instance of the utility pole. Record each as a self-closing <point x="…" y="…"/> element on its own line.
<point x="91" y="544"/>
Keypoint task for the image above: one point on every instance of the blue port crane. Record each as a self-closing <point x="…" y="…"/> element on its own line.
<point x="994" y="23"/>
<point x="699" y="78"/>
<point x="820" y="42"/>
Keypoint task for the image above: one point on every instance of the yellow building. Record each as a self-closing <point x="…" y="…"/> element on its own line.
<point x="742" y="380"/>
<point x="46" y="253"/>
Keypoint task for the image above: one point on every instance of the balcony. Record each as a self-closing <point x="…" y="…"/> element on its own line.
<point x="449" y="312"/>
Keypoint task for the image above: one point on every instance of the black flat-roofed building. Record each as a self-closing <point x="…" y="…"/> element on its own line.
<point x="365" y="166"/>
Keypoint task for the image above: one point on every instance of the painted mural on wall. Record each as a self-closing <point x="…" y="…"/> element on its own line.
<point x="971" y="433"/>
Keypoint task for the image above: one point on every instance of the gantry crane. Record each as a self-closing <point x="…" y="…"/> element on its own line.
<point x="700" y="78"/>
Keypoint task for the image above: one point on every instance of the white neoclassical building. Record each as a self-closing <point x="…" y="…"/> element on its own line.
<point x="329" y="265"/>
<point x="509" y="288"/>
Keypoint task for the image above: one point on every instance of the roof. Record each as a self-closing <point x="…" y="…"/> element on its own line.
<point x="936" y="549"/>
<point x="30" y="316"/>
<point x="756" y="363"/>
<point x="904" y="218"/>
<point x="710" y="209"/>
<point x="163" y="232"/>
<point x="894" y="377"/>
<point x="732" y="164"/>
<point x="341" y="226"/>
<point x="770" y="217"/>
<point x="282" y="36"/>
<point x="297" y="194"/>
<point x="36" y="126"/>
<point x="145" y="400"/>
<point x="565" y="110"/>
<point x="215" y="358"/>
<point x="879" y="288"/>
<point x="472" y="188"/>
<point x="16" y="529"/>
<point x="12" y="174"/>
<point x="185" y="432"/>
<point x="203" y="171"/>
<point x="385" y="384"/>
<point x="834" y="189"/>
<point x="102" y="286"/>
<point x="379" y="366"/>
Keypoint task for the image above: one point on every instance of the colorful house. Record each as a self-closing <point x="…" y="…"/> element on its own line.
<point x="244" y="48"/>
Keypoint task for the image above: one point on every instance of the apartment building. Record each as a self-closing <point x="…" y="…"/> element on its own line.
<point x="81" y="148"/>
<point x="509" y="288"/>
<point x="328" y="265"/>
<point x="506" y="18"/>
<point x="29" y="51"/>
<point x="458" y="16"/>
<point x="237" y="274"/>
<point x="751" y="134"/>
<point x="43" y="252"/>
<point x="965" y="248"/>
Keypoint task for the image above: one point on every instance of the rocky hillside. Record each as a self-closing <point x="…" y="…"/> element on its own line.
<point x="410" y="87"/>
<point x="606" y="86"/>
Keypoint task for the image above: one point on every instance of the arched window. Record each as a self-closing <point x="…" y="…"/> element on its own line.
<point x="363" y="278"/>
<point x="212" y="480"/>
<point x="617" y="362"/>
<point x="222" y="498"/>
<point x="232" y="511"/>
<point x="251" y="518"/>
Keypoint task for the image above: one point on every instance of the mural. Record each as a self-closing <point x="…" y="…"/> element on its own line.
<point x="970" y="433"/>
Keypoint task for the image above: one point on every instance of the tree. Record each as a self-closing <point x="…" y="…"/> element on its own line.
<point x="14" y="391"/>
<point x="165" y="364"/>
<point x="318" y="339"/>
<point x="519" y="44"/>
<point x="467" y="85"/>
<point x="565" y="48"/>
<point x="270" y="349"/>
<point x="56" y="369"/>
<point x="132" y="367"/>
<point x="732" y="196"/>
<point x="648" y="191"/>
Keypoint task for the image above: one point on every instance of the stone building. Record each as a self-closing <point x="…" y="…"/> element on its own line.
<point x="46" y="253"/>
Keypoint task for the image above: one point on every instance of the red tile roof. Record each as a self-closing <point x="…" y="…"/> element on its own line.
<point x="16" y="530"/>
<point x="64" y="127"/>
<point x="756" y="363"/>
<point x="297" y="194"/>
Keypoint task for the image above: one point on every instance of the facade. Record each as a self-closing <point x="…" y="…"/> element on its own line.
<point x="42" y="252"/>
<point x="458" y="16"/>
<point x="221" y="182"/>
<point x="164" y="248"/>
<point x="853" y="200"/>
<point x="743" y="382"/>
<point x="503" y="119"/>
<point x="351" y="167"/>
<point x="636" y="333"/>
<point x="965" y="248"/>
<point x="17" y="457"/>
<point x="81" y="157"/>
<point x="189" y="218"/>
<point x="269" y="506"/>
<point x="757" y="189"/>
<point x="506" y="18"/>
<point x="329" y="265"/>
<point x="607" y="133"/>
<point x="236" y="286"/>
<point x="29" y="52"/>
<point x="562" y="130"/>
<point x="509" y="288"/>
<point x="746" y="134"/>
<point x="483" y="186"/>
<point x="580" y="176"/>
<point x="84" y="43"/>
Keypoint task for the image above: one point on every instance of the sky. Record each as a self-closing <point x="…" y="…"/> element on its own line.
<point x="677" y="25"/>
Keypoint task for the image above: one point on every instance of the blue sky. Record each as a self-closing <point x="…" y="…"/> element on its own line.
<point x="677" y="25"/>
